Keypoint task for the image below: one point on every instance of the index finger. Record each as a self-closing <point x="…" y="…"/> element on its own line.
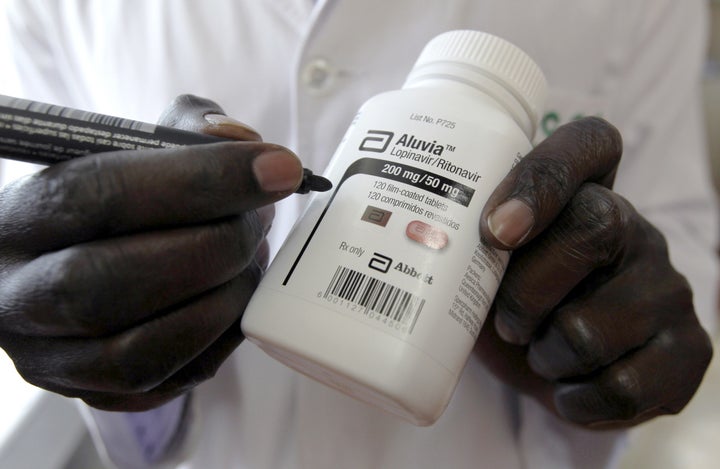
<point x="535" y="191"/>
<point x="123" y="192"/>
<point x="201" y="115"/>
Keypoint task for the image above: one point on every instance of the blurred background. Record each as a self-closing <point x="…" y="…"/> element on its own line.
<point x="39" y="430"/>
<point x="692" y="439"/>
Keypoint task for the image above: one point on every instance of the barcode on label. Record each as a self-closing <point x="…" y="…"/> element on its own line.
<point x="375" y="297"/>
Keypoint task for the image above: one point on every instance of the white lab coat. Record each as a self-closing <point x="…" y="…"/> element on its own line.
<point x="297" y="70"/>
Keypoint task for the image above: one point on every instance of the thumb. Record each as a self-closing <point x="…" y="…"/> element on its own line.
<point x="538" y="188"/>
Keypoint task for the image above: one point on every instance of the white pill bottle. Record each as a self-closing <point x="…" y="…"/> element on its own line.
<point x="382" y="286"/>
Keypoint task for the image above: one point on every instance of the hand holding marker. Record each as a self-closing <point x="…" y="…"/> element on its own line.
<point x="47" y="134"/>
<point x="133" y="267"/>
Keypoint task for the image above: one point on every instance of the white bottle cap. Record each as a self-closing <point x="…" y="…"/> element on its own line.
<point x="474" y="57"/>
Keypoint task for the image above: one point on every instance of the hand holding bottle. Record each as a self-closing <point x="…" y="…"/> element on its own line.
<point x="591" y="317"/>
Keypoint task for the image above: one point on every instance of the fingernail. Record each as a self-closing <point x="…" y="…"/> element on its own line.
<point x="229" y="127"/>
<point x="511" y="222"/>
<point x="506" y="333"/>
<point x="277" y="171"/>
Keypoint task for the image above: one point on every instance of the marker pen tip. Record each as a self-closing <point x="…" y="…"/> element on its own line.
<point x="313" y="182"/>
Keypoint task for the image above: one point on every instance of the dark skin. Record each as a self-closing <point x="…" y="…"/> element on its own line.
<point x="591" y="318"/>
<point x="123" y="277"/>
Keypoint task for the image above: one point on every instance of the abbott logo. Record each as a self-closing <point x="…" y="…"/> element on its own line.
<point x="380" y="263"/>
<point x="377" y="141"/>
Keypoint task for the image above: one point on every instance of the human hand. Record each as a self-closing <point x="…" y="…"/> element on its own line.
<point x="123" y="276"/>
<point x="591" y="318"/>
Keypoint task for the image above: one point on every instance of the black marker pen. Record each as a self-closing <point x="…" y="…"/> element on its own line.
<point x="47" y="134"/>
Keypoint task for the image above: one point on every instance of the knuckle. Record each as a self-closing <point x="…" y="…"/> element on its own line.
<point x="624" y="392"/>
<point x="172" y="116"/>
<point x="678" y="294"/>
<point x="62" y="282"/>
<point x="127" y="371"/>
<point x="82" y="193"/>
<point x="63" y="273"/>
<point x="510" y="307"/>
<point x="40" y="376"/>
<point x="241" y="236"/>
<point x="69" y="292"/>
<point x="191" y="101"/>
<point x="596" y="225"/>
<point x="181" y="107"/>
<point x="513" y="311"/>
<point x="544" y="176"/>
<point x="44" y="365"/>
<point x="223" y="250"/>
<point x="694" y="344"/>
<point x="586" y="346"/>
<point x="29" y="371"/>
<point x="185" y="100"/>
<point x="597" y="133"/>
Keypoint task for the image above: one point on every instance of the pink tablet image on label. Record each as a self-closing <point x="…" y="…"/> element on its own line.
<point x="422" y="233"/>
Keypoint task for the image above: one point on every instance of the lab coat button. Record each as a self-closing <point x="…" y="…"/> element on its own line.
<point x="318" y="75"/>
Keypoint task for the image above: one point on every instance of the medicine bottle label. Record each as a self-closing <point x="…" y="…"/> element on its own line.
<point x="396" y="245"/>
